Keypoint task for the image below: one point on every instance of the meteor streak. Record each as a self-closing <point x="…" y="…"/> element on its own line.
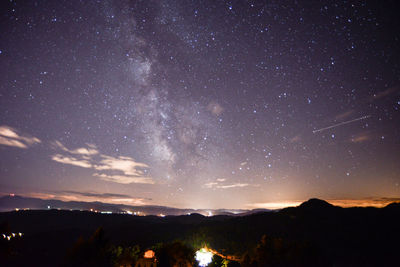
<point x="341" y="123"/>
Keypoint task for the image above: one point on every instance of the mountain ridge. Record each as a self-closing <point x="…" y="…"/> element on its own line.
<point x="10" y="203"/>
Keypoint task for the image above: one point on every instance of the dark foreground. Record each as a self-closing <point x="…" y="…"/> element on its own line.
<point x="313" y="234"/>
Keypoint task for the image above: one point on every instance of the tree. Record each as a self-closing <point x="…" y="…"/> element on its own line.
<point x="174" y="254"/>
<point x="125" y="257"/>
<point x="95" y="251"/>
<point x="217" y="261"/>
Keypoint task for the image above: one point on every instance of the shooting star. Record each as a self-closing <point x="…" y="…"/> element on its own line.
<point x="341" y="123"/>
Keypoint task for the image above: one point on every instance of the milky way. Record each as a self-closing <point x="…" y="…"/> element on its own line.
<point x="200" y="103"/>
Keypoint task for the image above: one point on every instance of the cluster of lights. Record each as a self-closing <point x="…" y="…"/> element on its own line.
<point x="13" y="235"/>
<point x="204" y="256"/>
<point x="18" y="209"/>
<point x="136" y="213"/>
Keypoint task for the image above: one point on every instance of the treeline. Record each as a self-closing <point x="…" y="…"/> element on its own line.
<point x="314" y="234"/>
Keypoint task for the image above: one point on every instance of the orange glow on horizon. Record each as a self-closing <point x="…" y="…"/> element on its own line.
<point x="345" y="203"/>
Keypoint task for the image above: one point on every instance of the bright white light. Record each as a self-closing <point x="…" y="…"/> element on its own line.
<point x="204" y="257"/>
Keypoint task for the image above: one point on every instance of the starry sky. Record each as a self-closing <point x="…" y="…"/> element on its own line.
<point x="200" y="104"/>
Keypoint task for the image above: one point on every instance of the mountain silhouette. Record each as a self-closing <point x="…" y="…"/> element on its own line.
<point x="315" y="203"/>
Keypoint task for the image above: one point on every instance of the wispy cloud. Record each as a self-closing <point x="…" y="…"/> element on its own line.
<point x="69" y="195"/>
<point x="344" y="115"/>
<point x="124" y="179"/>
<point x="384" y="93"/>
<point x="219" y="184"/>
<point x="90" y="150"/>
<point x="360" y="138"/>
<point x="232" y="186"/>
<point x="96" y="194"/>
<point x="71" y="161"/>
<point x="11" y="137"/>
<point x="210" y="185"/>
<point x="126" y="165"/>
<point x="122" y="169"/>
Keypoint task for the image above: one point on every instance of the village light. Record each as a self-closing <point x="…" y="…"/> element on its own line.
<point x="204" y="257"/>
<point x="149" y="254"/>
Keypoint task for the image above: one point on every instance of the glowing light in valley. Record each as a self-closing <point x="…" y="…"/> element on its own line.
<point x="204" y="257"/>
<point x="12" y="235"/>
<point x="149" y="254"/>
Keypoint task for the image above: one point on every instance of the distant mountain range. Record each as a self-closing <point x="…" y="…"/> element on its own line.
<point x="8" y="203"/>
<point x="314" y="233"/>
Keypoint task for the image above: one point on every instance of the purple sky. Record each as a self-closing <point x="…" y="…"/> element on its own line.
<point x="200" y="104"/>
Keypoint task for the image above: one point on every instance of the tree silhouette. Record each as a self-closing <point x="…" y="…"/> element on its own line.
<point x="174" y="254"/>
<point x="125" y="257"/>
<point x="95" y="251"/>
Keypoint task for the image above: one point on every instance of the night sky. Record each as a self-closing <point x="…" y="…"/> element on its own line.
<point x="200" y="104"/>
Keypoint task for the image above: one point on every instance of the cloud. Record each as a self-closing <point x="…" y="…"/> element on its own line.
<point x="124" y="179"/>
<point x="90" y="197"/>
<point x="97" y="195"/>
<point x="344" y="115"/>
<point x="71" y="161"/>
<point x="10" y="137"/>
<point x="10" y="142"/>
<point x="384" y="93"/>
<point x="126" y="165"/>
<point x="217" y="184"/>
<point x="232" y="186"/>
<point x="122" y="169"/>
<point x="360" y="138"/>
<point x="210" y="185"/>
<point x="90" y="150"/>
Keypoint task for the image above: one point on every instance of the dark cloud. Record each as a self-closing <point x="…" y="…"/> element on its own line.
<point x="100" y="195"/>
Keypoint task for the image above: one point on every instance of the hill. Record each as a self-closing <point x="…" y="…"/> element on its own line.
<point x="10" y="203"/>
<point x="313" y="234"/>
